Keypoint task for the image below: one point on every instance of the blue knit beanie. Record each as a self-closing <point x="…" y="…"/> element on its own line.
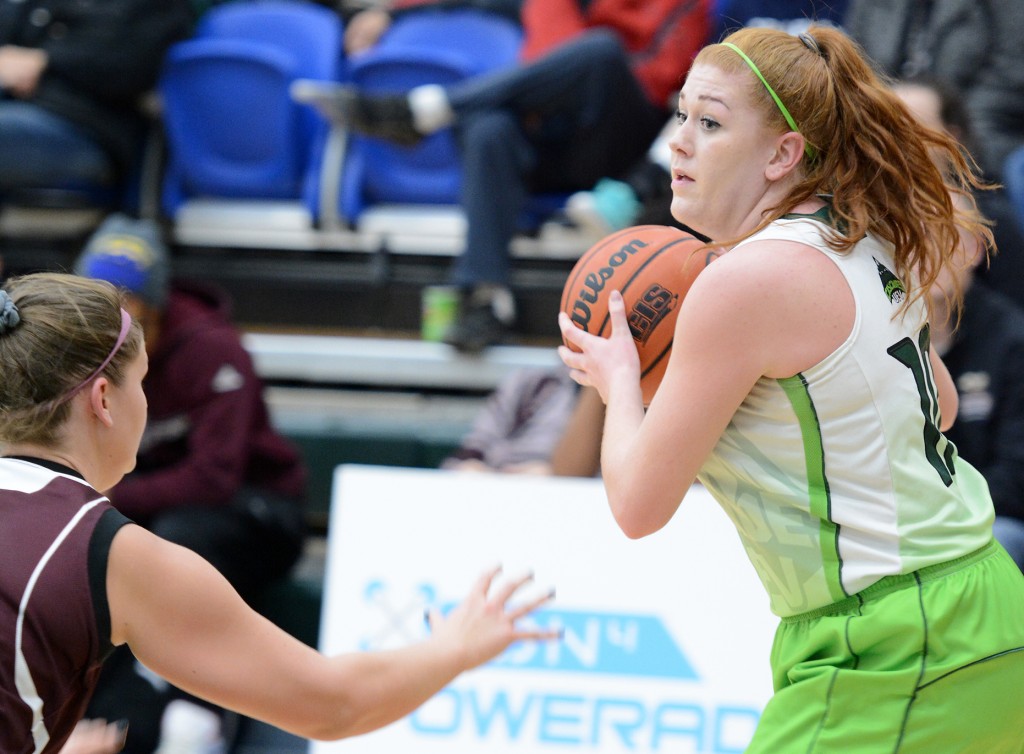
<point x="130" y="254"/>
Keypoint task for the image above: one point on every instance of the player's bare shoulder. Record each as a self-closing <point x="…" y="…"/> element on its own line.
<point x="785" y="299"/>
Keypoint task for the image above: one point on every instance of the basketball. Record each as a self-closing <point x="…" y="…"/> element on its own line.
<point x="653" y="266"/>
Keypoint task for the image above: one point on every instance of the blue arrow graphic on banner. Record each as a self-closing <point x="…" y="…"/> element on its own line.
<point x="611" y="643"/>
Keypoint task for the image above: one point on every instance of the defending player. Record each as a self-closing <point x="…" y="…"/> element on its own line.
<point x="77" y="578"/>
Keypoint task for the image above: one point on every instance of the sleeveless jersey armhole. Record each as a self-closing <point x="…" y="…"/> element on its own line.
<point x="99" y="553"/>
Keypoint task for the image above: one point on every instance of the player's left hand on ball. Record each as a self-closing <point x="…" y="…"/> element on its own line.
<point x="599" y="361"/>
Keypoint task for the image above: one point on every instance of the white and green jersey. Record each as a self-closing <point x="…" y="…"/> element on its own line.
<point x="839" y="476"/>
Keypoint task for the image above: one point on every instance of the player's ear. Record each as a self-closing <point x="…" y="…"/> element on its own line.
<point x="789" y="149"/>
<point x="99" y="396"/>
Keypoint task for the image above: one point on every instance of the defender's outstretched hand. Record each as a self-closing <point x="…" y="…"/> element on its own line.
<point x="484" y="624"/>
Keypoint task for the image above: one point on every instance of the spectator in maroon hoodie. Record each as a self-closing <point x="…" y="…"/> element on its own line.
<point x="212" y="473"/>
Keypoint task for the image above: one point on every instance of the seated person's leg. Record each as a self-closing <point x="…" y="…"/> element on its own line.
<point x="41" y="150"/>
<point x="571" y="80"/>
<point x="251" y="542"/>
<point x="496" y="158"/>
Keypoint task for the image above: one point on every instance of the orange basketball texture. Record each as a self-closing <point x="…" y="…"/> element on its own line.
<point x="653" y="266"/>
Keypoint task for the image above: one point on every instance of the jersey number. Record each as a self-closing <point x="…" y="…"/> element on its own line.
<point x="914" y="356"/>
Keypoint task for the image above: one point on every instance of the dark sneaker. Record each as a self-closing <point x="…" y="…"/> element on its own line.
<point x="475" y="328"/>
<point x="382" y="116"/>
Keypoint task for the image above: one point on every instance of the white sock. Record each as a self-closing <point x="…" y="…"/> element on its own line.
<point x="503" y="304"/>
<point x="430" y="108"/>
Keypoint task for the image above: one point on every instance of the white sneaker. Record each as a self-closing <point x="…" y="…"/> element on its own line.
<point x="188" y="728"/>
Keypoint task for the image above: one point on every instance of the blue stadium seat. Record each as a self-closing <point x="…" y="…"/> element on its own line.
<point x="232" y="128"/>
<point x="421" y="48"/>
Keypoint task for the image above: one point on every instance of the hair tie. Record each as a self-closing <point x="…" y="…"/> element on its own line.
<point x="9" y="316"/>
<point x="811" y="44"/>
<point x="810" y="151"/>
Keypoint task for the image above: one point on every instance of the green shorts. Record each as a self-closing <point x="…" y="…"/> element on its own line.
<point x="930" y="662"/>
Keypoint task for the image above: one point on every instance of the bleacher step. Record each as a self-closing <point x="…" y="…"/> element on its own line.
<point x="389" y="362"/>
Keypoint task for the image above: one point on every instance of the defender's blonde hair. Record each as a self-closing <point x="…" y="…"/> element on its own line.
<point x="68" y="326"/>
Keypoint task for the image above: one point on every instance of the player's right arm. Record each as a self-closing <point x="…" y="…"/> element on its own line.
<point x="769" y="308"/>
<point x="183" y="620"/>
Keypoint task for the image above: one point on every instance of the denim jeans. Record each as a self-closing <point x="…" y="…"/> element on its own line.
<point x="41" y="150"/>
<point x="554" y="125"/>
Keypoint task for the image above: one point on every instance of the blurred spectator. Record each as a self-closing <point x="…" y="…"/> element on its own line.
<point x="578" y="451"/>
<point x="199" y="7"/>
<point x="639" y="197"/>
<point x="985" y="356"/>
<point x="212" y="474"/>
<point x="643" y="195"/>
<point x="939" y="104"/>
<point x="982" y="345"/>
<point x="975" y="44"/>
<point x="71" y="77"/>
<point x="518" y="427"/>
<point x="793" y="16"/>
<point x="367" y="25"/>
<point x="593" y="90"/>
<point x="1013" y="175"/>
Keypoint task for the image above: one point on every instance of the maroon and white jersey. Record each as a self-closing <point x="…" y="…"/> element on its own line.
<point x="55" y="535"/>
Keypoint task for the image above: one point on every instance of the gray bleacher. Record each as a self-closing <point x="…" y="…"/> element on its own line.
<point x="388" y="401"/>
<point x="368" y="277"/>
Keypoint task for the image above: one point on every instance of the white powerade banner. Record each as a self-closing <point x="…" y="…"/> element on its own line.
<point x="666" y="639"/>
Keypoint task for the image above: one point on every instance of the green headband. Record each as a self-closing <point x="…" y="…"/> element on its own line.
<point x="808" y="149"/>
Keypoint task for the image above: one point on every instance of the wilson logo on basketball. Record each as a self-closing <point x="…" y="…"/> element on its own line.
<point x="595" y="282"/>
<point x="653" y="267"/>
<point x="649" y="310"/>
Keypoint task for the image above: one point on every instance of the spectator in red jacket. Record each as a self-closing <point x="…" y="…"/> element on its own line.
<point x="212" y="474"/>
<point x="593" y="89"/>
